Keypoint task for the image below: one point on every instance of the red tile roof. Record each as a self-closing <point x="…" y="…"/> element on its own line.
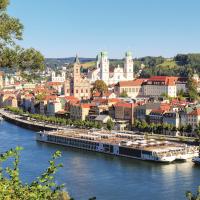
<point x="50" y="97"/>
<point x="114" y="100"/>
<point x="195" y="112"/>
<point x="86" y="105"/>
<point x="55" y="83"/>
<point x="100" y="101"/>
<point x="168" y="80"/>
<point x="165" y="107"/>
<point x="136" y="82"/>
<point x="97" y="94"/>
<point x="124" y="104"/>
<point x="83" y="105"/>
<point x="157" y="111"/>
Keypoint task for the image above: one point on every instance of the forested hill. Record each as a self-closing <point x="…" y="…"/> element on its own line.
<point x="56" y="62"/>
<point x="181" y="64"/>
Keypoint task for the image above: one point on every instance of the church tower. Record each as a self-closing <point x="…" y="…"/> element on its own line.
<point x="76" y="73"/>
<point x="104" y="67"/>
<point x="128" y="66"/>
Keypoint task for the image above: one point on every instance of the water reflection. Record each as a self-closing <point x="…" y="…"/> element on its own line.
<point x="88" y="174"/>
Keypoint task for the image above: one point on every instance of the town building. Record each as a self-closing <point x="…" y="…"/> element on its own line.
<point x="193" y="118"/>
<point x="79" y="111"/>
<point x="58" y="77"/>
<point x="141" y="111"/>
<point x="172" y="118"/>
<point x="53" y="107"/>
<point x="132" y="88"/>
<point x="156" y="116"/>
<point x="163" y="85"/>
<point x="124" y="111"/>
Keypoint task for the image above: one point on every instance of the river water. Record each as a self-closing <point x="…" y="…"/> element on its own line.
<point x="87" y="174"/>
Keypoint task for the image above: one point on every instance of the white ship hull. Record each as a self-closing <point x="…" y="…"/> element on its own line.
<point x="100" y="148"/>
<point x="196" y="160"/>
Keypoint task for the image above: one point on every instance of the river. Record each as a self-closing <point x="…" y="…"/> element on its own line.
<point x="87" y="174"/>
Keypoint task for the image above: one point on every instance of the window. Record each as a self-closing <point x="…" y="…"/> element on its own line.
<point x="76" y="70"/>
<point x="76" y="91"/>
<point x="81" y="90"/>
<point x="86" y="91"/>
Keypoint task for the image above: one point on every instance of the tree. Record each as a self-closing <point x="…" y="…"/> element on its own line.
<point x="191" y="196"/>
<point x="43" y="188"/>
<point x="192" y="89"/>
<point x="188" y="128"/>
<point x="123" y="94"/>
<point x="100" y="86"/>
<point x="110" y="124"/>
<point x="40" y="97"/>
<point x="12" y="55"/>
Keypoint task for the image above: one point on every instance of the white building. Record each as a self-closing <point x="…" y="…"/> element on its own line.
<point x="59" y="77"/>
<point x="159" y="85"/>
<point x="152" y="87"/>
<point x="102" y="71"/>
<point x="53" y="107"/>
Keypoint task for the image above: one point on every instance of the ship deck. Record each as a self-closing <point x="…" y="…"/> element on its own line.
<point x="121" y="139"/>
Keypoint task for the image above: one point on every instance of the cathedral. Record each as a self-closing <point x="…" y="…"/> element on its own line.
<point x="102" y="71"/>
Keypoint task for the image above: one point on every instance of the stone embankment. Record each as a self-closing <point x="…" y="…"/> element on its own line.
<point x="31" y="124"/>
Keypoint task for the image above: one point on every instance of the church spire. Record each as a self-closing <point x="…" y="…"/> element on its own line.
<point x="77" y="59"/>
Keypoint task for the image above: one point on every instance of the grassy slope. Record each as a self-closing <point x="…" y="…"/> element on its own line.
<point x="88" y="64"/>
<point x="168" y="64"/>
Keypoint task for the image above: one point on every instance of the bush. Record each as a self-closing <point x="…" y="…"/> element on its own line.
<point x="43" y="188"/>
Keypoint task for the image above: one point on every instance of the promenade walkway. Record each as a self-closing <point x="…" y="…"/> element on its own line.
<point x="30" y="122"/>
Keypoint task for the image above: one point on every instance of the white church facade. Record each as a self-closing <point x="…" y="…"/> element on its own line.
<point x="102" y="71"/>
<point x="58" y="77"/>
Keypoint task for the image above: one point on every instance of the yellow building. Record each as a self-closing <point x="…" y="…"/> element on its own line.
<point x="79" y="111"/>
<point x="77" y="86"/>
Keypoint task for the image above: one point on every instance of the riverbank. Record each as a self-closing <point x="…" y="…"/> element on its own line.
<point x="37" y="125"/>
<point x="28" y="124"/>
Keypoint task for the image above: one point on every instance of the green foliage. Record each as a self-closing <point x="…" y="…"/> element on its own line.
<point x="188" y="128"/>
<point x="153" y="128"/>
<point x="110" y="124"/>
<point x="191" y="196"/>
<point x="40" y="97"/>
<point x="100" y="86"/>
<point x="189" y="60"/>
<point x="43" y="188"/>
<point x="151" y="61"/>
<point x="181" y="65"/>
<point x="123" y="94"/>
<point x="10" y="27"/>
<point x="12" y="55"/>
<point x="192" y="89"/>
<point x="57" y="120"/>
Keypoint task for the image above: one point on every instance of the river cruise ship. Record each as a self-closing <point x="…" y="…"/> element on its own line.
<point x="120" y="144"/>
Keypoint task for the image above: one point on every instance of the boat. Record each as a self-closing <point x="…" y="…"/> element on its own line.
<point x="196" y="160"/>
<point x="120" y="144"/>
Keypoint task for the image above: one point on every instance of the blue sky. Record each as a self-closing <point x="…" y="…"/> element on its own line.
<point x="62" y="28"/>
